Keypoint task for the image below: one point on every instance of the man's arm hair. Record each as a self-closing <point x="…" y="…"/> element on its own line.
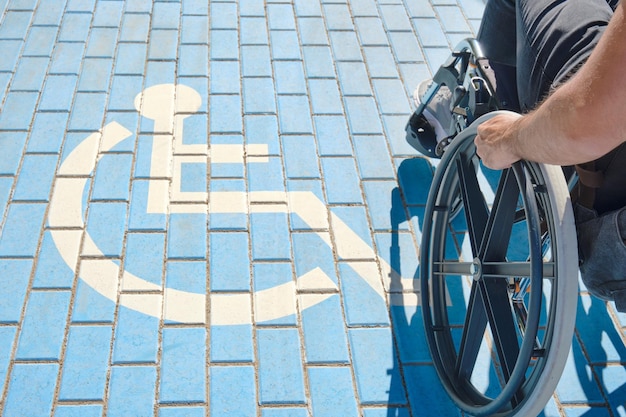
<point x="580" y="121"/>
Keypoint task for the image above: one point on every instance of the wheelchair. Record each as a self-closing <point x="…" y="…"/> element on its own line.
<point x="499" y="318"/>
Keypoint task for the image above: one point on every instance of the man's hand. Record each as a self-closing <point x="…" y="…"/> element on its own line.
<point x="495" y="141"/>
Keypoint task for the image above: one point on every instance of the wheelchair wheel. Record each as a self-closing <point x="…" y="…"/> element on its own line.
<point x="499" y="319"/>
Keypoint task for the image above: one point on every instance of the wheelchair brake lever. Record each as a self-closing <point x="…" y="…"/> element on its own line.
<point x="480" y="97"/>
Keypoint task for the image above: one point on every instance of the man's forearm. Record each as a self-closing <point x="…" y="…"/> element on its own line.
<point x="561" y="130"/>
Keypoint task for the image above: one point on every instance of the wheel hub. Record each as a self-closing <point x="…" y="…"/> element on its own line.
<point x="476" y="269"/>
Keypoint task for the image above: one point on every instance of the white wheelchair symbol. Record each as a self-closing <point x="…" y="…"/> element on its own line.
<point x="167" y="105"/>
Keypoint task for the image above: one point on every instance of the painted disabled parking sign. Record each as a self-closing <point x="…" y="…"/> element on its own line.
<point x="167" y="106"/>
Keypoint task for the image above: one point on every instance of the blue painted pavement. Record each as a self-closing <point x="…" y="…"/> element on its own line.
<point x="202" y="203"/>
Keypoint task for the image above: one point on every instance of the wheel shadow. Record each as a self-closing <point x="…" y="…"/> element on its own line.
<point x="600" y="358"/>
<point x="408" y="201"/>
<point x="425" y="394"/>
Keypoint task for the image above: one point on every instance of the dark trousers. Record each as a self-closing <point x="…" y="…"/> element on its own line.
<point x="533" y="45"/>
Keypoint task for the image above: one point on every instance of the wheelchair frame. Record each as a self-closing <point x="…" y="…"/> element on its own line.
<point x="519" y="293"/>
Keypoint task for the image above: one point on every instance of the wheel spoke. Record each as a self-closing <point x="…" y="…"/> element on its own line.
<point x="498" y="309"/>
<point x="452" y="268"/>
<point x="501" y="269"/>
<point x="476" y="210"/>
<point x="473" y="332"/>
<point x="495" y="241"/>
<point x="506" y="269"/>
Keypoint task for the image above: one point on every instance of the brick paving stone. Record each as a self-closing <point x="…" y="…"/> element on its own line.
<point x="132" y="389"/>
<point x="332" y="391"/>
<point x="280" y="372"/>
<point x="136" y="337"/>
<point x="86" y="364"/>
<point x="183" y="371"/>
<point x="229" y="396"/>
<point x="43" y="328"/>
<point x="20" y="235"/>
<point x="16" y="274"/>
<point x="31" y="389"/>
